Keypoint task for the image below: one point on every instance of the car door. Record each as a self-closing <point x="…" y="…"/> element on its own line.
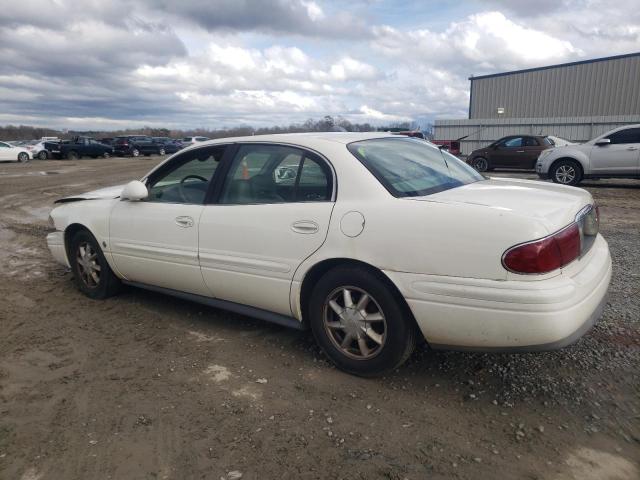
<point x="620" y="157"/>
<point x="271" y="212"/>
<point x="155" y="241"/>
<point x="7" y="152"/>
<point x="532" y="149"/>
<point x="507" y="153"/>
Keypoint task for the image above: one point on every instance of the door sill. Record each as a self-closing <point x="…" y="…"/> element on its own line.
<point x="254" y="312"/>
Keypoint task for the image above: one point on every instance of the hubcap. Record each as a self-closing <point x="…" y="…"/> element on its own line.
<point x="135" y="153"/>
<point x="88" y="267"/>
<point x="481" y="164"/>
<point x="565" y="174"/>
<point x="355" y="323"/>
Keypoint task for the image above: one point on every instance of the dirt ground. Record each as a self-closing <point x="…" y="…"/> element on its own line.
<point x="144" y="386"/>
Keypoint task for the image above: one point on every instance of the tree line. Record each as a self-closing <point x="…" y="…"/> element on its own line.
<point x="325" y="124"/>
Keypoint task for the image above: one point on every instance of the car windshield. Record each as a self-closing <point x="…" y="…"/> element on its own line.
<point x="408" y="167"/>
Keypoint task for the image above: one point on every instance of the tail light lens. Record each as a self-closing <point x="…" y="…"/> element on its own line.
<point x="557" y="250"/>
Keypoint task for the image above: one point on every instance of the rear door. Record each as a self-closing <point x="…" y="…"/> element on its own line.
<point x="620" y="157"/>
<point x="272" y="211"/>
<point x="532" y="148"/>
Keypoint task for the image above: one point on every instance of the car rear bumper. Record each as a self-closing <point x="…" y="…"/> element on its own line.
<point x="55" y="242"/>
<point x="486" y="315"/>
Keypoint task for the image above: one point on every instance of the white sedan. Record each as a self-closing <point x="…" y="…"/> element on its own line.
<point x="12" y="153"/>
<point x="368" y="239"/>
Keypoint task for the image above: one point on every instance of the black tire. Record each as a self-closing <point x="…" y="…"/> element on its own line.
<point x="566" y="172"/>
<point x="135" y="152"/>
<point x="73" y="155"/>
<point x="43" y="155"/>
<point x="481" y="164"/>
<point x="107" y="283"/>
<point x="397" y="340"/>
<point x="23" y="157"/>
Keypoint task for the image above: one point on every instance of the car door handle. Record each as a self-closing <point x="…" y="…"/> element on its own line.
<point x="632" y="148"/>
<point x="305" y="226"/>
<point x="519" y="151"/>
<point x="184" y="221"/>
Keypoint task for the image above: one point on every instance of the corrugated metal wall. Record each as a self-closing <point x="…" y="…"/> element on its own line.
<point x="481" y="132"/>
<point x="604" y="87"/>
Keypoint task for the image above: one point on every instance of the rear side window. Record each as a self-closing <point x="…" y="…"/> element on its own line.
<point x="530" y="142"/>
<point x="262" y="174"/>
<point x="409" y="168"/>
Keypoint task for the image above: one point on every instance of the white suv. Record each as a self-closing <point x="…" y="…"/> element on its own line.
<point x="614" y="154"/>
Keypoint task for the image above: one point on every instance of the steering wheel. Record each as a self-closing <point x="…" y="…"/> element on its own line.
<point x="181" y="189"/>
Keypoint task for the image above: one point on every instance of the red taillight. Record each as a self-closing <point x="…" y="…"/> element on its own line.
<point x="545" y="255"/>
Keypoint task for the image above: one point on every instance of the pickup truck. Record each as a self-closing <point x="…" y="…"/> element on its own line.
<point x="78" y="147"/>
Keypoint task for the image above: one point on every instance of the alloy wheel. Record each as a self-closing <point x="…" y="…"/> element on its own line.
<point x="354" y="322"/>
<point x="565" y="174"/>
<point x="88" y="266"/>
<point x="135" y="152"/>
<point x="481" y="165"/>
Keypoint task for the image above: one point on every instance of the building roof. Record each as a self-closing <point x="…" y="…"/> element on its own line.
<point x="536" y="69"/>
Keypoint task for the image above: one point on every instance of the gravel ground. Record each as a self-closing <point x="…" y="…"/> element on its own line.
<point x="146" y="386"/>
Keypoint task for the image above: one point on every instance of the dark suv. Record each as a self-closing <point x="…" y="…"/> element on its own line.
<point x="514" y="151"/>
<point x="171" y="145"/>
<point x="136" y="145"/>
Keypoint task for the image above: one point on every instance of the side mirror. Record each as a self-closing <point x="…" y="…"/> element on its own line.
<point x="603" y="141"/>
<point x="134" y="191"/>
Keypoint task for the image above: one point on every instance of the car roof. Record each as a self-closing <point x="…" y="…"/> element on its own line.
<point x="309" y="139"/>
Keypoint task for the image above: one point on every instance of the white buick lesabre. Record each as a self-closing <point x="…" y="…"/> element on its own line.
<point x="368" y="239"/>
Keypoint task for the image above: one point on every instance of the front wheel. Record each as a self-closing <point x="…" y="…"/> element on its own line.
<point x="106" y="155"/>
<point x="135" y="152"/>
<point x="73" y="155"/>
<point x="359" y="323"/>
<point x="566" y="172"/>
<point x="91" y="272"/>
<point x="481" y="164"/>
<point x="161" y="151"/>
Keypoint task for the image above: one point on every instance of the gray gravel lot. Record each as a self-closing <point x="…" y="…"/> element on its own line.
<point x="146" y="386"/>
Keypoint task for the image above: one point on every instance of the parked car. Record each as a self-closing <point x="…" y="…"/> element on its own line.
<point x="78" y="147"/>
<point x="136" y="145"/>
<point x="451" y="146"/>
<point x="615" y="154"/>
<point x="379" y="239"/>
<point x="38" y="149"/>
<point x="559" y="141"/>
<point x="514" y="151"/>
<point x="13" y="153"/>
<point x="171" y="145"/>
<point x="107" y="140"/>
<point x="193" y="140"/>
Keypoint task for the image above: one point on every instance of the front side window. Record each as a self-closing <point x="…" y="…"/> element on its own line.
<point x="276" y="174"/>
<point x="186" y="178"/>
<point x="409" y="168"/>
<point x="4" y="145"/>
<point x="630" y="135"/>
<point x="512" y="142"/>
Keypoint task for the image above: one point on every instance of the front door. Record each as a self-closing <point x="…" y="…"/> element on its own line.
<point x="272" y="213"/>
<point x="620" y="157"/>
<point x="508" y="153"/>
<point x="155" y="241"/>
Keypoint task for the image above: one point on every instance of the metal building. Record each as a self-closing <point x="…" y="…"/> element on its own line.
<point x="576" y="101"/>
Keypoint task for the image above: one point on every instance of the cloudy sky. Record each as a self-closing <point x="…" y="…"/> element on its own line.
<point x="211" y="63"/>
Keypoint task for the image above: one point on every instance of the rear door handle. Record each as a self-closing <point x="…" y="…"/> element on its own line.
<point x="519" y="151"/>
<point x="632" y="148"/>
<point x="184" y="221"/>
<point x="305" y="226"/>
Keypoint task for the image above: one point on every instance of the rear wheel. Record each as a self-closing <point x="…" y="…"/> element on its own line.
<point x="359" y="323"/>
<point x="566" y="172"/>
<point x="135" y="152"/>
<point x="91" y="272"/>
<point x="23" y="157"/>
<point x="161" y="151"/>
<point x="43" y="155"/>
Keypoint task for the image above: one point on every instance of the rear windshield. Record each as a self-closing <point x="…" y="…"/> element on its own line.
<point x="410" y="168"/>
